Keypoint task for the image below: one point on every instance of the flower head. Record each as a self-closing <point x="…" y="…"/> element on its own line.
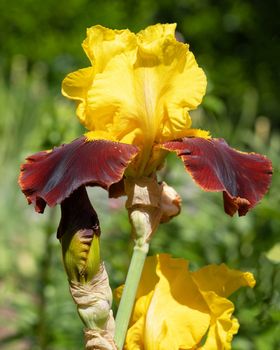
<point x="135" y="100"/>
<point x="178" y="309"/>
<point x="139" y="89"/>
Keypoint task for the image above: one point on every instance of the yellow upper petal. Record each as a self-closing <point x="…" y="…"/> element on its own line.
<point x="140" y="86"/>
<point x="101" y="44"/>
<point x="175" y="320"/>
<point x="151" y="41"/>
<point x="222" y="280"/>
<point x="222" y="325"/>
<point x="216" y="282"/>
<point x="76" y="86"/>
<point x="175" y="309"/>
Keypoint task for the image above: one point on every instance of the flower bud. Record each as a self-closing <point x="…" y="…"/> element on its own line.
<point x="170" y="203"/>
<point x="79" y="232"/>
<point x="81" y="255"/>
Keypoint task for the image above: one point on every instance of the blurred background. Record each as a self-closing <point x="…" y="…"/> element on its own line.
<point x="237" y="43"/>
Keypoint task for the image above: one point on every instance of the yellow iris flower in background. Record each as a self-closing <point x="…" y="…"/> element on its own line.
<point x="179" y="309"/>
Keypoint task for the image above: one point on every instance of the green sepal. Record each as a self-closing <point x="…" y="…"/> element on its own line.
<point x="81" y="255"/>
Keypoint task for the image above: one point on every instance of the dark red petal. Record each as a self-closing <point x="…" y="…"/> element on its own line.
<point x="243" y="177"/>
<point x="117" y="190"/>
<point x="50" y="177"/>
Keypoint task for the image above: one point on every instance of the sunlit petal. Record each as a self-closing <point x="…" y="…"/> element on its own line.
<point x="140" y="87"/>
<point x="177" y="309"/>
<point x="101" y="44"/>
<point x="216" y="282"/>
<point x="244" y="178"/>
<point x="49" y="177"/>
<point x="75" y="86"/>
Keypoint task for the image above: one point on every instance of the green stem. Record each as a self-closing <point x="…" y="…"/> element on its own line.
<point x="129" y="292"/>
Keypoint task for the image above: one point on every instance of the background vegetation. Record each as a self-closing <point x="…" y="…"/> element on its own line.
<point x="238" y="45"/>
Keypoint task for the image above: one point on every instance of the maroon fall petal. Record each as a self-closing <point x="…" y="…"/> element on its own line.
<point x="49" y="177"/>
<point x="244" y="178"/>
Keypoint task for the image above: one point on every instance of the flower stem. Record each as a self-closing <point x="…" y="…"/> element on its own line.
<point x="129" y="292"/>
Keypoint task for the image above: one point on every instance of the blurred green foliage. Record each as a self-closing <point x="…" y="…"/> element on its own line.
<point x="238" y="45"/>
<point x="237" y="42"/>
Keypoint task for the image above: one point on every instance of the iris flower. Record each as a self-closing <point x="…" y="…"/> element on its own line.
<point x="134" y="99"/>
<point x="179" y="309"/>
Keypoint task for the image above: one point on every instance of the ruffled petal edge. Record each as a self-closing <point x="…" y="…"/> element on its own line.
<point x="49" y="177"/>
<point x="243" y="178"/>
